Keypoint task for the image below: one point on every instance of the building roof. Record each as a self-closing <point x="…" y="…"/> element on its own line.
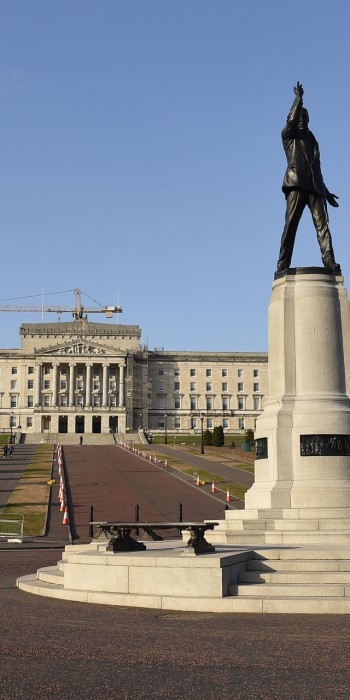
<point x="79" y="327"/>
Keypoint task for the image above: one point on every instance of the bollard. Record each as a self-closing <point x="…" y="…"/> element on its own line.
<point x="137" y="517"/>
<point x="180" y="517"/>
<point x="91" y="517"/>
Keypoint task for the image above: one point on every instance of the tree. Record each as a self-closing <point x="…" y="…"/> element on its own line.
<point x="218" y="436"/>
<point x="248" y="443"/>
<point x="249" y="435"/>
<point x="208" y="437"/>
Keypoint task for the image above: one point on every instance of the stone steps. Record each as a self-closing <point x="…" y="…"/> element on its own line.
<point x="68" y="438"/>
<point x="267" y="579"/>
<point x="272" y="536"/>
<point x="296" y="578"/>
<point x="51" y="574"/>
<point x="331" y="605"/>
<point x="290" y="590"/>
<point x="284" y="525"/>
<point x="317" y="566"/>
<point x="289" y="525"/>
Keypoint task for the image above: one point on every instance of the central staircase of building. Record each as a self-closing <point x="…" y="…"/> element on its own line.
<point x="68" y="438"/>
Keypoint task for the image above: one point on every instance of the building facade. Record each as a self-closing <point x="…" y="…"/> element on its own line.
<point x="219" y="388"/>
<point x="82" y="377"/>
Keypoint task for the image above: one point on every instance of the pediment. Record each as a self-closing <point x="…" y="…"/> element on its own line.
<point x="78" y="348"/>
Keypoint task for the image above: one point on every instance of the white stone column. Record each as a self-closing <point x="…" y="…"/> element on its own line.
<point x="104" y="385"/>
<point x="121" y="385"/>
<point x="38" y="367"/>
<point x="88" y="385"/>
<point x="54" y="383"/>
<point x="71" y="401"/>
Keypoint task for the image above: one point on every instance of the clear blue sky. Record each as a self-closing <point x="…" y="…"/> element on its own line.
<point x="140" y="151"/>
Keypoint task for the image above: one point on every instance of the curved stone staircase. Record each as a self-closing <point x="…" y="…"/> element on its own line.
<point x="307" y="579"/>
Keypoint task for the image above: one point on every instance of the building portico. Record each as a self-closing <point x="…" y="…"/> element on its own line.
<point x="69" y="377"/>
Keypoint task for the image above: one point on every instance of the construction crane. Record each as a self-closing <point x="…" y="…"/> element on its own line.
<point x="79" y="311"/>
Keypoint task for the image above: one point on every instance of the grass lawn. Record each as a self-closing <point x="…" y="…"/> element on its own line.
<point x="31" y="497"/>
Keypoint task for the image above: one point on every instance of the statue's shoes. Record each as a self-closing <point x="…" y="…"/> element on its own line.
<point x="330" y="264"/>
<point x="281" y="267"/>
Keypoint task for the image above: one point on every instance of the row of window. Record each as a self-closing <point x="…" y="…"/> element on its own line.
<point x="209" y="386"/>
<point x="112" y="401"/>
<point x="47" y="370"/>
<point x="208" y="424"/>
<point x="209" y="403"/>
<point x="64" y="385"/>
<point x="208" y="372"/>
<point x="63" y="401"/>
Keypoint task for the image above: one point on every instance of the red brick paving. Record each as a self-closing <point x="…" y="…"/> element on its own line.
<point x="114" y="480"/>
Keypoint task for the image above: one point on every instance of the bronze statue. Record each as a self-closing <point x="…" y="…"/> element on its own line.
<point x="303" y="185"/>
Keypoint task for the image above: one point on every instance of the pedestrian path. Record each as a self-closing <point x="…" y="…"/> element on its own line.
<point x="12" y="469"/>
<point x="231" y="473"/>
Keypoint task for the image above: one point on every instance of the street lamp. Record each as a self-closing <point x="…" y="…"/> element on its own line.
<point x="140" y="421"/>
<point x="11" y="418"/>
<point x="202" y="434"/>
<point x="165" y="428"/>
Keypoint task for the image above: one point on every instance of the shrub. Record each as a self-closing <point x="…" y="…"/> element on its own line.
<point x="218" y="436"/>
<point x="208" y="437"/>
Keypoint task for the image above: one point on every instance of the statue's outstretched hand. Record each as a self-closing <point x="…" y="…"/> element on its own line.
<point x="298" y="89"/>
<point x="331" y="199"/>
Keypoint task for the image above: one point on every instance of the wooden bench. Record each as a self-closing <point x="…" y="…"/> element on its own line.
<point x="119" y="536"/>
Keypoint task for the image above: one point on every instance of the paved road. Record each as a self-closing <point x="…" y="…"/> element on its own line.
<point x="114" y="480"/>
<point x="58" y="650"/>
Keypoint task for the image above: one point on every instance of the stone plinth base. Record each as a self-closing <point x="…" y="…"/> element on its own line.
<point x="260" y="579"/>
<point x="284" y="526"/>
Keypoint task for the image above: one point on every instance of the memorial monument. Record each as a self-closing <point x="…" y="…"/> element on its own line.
<point x="301" y="494"/>
<point x="301" y="491"/>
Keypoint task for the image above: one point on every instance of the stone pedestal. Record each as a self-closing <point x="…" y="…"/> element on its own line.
<point x="302" y="468"/>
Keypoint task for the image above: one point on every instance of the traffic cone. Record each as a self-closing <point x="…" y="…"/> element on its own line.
<point x="166" y="463"/>
<point x="62" y="506"/>
<point x="228" y="495"/>
<point x="213" y="489"/>
<point x="65" y="520"/>
<point x="198" y="482"/>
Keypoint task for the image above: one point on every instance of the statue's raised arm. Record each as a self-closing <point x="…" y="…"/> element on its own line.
<point x="298" y="89"/>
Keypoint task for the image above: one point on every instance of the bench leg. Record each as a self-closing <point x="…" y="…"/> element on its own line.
<point x="198" y="543"/>
<point x="121" y="541"/>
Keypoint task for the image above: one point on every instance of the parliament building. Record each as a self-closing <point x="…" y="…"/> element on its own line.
<point x="83" y="377"/>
